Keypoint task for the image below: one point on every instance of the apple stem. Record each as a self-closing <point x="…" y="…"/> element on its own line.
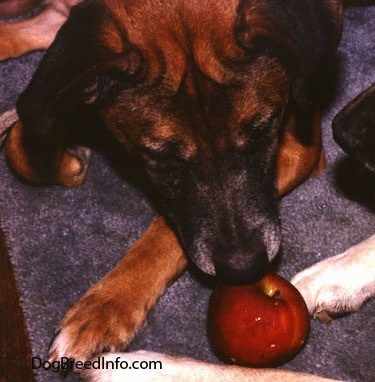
<point x="271" y="291"/>
<point x="277" y="294"/>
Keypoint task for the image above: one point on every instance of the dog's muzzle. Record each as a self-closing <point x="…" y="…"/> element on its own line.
<point x="241" y="261"/>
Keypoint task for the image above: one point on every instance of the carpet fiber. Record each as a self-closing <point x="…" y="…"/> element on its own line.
<point x="63" y="240"/>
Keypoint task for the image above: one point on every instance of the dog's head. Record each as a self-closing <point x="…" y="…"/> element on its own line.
<point x="198" y="93"/>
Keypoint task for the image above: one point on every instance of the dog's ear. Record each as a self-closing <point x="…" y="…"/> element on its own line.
<point x="105" y="80"/>
<point x="302" y="35"/>
<point x="90" y="49"/>
<point x="89" y="63"/>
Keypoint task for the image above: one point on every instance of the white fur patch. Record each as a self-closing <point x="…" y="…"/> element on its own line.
<point x="186" y="370"/>
<point x="341" y="283"/>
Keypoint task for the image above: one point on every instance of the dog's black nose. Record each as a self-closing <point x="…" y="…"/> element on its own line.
<point x="242" y="265"/>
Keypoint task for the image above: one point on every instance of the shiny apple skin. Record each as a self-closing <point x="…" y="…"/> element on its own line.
<point x="259" y="325"/>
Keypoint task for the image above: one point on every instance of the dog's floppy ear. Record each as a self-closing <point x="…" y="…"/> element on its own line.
<point x="89" y="62"/>
<point x="302" y="35"/>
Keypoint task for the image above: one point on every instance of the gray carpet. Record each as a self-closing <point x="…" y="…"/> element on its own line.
<point x="63" y="240"/>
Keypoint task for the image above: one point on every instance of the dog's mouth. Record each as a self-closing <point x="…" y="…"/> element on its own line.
<point x="234" y="258"/>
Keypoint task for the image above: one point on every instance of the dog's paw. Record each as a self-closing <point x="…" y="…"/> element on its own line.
<point x="69" y="168"/>
<point x="102" y="320"/>
<point x="72" y="166"/>
<point x="339" y="284"/>
<point x="111" y="312"/>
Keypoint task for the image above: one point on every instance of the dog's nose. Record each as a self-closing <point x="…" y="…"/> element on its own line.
<point x="243" y="265"/>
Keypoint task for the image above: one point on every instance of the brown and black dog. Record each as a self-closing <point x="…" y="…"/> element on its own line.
<point x="217" y="101"/>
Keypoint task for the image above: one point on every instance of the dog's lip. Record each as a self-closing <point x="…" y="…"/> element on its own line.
<point x="241" y="277"/>
<point x="204" y="264"/>
<point x="202" y="256"/>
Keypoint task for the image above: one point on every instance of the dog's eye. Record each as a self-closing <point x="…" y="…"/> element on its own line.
<point x="259" y="125"/>
<point x="153" y="147"/>
<point x="267" y="119"/>
<point x="160" y="153"/>
<point x="175" y="150"/>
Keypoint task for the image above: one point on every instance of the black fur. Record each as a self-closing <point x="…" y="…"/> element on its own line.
<point x="76" y="69"/>
<point x="354" y="128"/>
<point x="304" y="39"/>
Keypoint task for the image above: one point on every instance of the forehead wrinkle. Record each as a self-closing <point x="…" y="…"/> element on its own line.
<point x="206" y="60"/>
<point x="175" y="68"/>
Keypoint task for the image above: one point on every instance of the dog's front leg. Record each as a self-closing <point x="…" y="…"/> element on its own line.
<point x="36" y="33"/>
<point x="341" y="283"/>
<point x="111" y="312"/>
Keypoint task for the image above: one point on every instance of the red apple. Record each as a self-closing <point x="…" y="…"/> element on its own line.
<point x="260" y="325"/>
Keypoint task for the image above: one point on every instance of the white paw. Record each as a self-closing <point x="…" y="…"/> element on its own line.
<point x="341" y="283"/>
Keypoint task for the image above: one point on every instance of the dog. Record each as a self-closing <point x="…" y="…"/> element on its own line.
<point x="344" y="282"/>
<point x="218" y="101"/>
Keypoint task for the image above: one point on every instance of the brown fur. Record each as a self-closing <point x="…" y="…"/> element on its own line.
<point x="296" y="161"/>
<point x="36" y="33"/>
<point x="68" y="170"/>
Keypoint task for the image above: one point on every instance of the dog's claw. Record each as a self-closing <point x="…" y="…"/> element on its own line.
<point x="323" y="316"/>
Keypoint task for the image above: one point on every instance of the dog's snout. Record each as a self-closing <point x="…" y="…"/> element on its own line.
<point x="242" y="264"/>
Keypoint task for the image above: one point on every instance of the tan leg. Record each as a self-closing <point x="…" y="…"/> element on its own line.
<point x="111" y="312"/>
<point x="15" y="8"/>
<point x="36" y="33"/>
